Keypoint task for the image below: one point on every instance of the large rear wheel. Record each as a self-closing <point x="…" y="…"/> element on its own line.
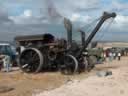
<point x="31" y="60"/>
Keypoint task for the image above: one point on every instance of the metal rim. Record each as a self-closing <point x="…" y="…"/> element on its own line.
<point x="70" y="65"/>
<point x="31" y="60"/>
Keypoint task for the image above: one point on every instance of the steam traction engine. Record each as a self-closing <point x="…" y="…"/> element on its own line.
<point x="45" y="52"/>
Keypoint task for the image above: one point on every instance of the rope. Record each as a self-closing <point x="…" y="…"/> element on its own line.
<point x="105" y="28"/>
<point x="87" y="26"/>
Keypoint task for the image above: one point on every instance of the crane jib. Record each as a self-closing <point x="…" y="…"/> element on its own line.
<point x="104" y="17"/>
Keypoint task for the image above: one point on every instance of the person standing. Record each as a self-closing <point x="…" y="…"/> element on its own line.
<point x="110" y="56"/>
<point x="104" y="55"/>
<point x="1" y="60"/>
<point x="119" y="56"/>
<point x="114" y="55"/>
<point x="7" y="63"/>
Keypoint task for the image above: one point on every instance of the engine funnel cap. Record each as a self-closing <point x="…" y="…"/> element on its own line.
<point x="113" y="14"/>
<point x="109" y="15"/>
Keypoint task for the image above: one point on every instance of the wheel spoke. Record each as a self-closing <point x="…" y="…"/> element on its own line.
<point x="24" y="66"/>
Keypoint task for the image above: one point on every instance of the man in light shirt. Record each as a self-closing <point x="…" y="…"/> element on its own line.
<point x="114" y="55"/>
<point x="7" y="63"/>
<point x="110" y="56"/>
<point x="119" y="55"/>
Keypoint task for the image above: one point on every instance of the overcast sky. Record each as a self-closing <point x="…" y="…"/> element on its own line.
<point x="20" y="17"/>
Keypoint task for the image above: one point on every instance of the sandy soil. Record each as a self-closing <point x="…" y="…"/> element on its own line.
<point x="56" y="84"/>
<point x="26" y="84"/>
<point x="114" y="85"/>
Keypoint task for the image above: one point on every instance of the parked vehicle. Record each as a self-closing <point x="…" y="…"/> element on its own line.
<point x="8" y="49"/>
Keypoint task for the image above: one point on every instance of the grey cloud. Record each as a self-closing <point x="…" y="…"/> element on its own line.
<point x="119" y="6"/>
<point x="68" y="7"/>
<point x="8" y="32"/>
<point x="4" y="18"/>
<point x="46" y="23"/>
<point x="47" y="13"/>
<point x="52" y="11"/>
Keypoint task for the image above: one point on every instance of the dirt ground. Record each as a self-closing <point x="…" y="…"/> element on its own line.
<point x="28" y="84"/>
<point x="112" y="85"/>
